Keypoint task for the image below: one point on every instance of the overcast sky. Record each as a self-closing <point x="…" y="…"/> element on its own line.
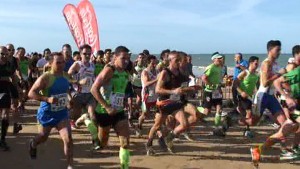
<point x="194" y="26"/>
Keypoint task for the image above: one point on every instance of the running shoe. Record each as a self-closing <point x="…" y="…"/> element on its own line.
<point x="96" y="144"/>
<point x="149" y="150"/>
<point x="138" y="132"/>
<point x="32" y="151"/>
<point x="255" y="154"/>
<point x="17" y="128"/>
<point x="287" y="155"/>
<point x="188" y="136"/>
<point x="169" y="140"/>
<point x="249" y="134"/>
<point x="296" y="150"/>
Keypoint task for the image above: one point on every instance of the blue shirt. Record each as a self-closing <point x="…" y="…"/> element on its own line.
<point x="69" y="63"/>
<point x="238" y="70"/>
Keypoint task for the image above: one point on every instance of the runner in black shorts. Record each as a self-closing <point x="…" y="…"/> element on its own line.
<point x="5" y="95"/>
<point x="15" y="76"/>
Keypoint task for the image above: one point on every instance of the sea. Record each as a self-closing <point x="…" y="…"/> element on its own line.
<point x="200" y="61"/>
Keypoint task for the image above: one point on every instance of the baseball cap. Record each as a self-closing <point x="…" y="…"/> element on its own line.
<point x="216" y="55"/>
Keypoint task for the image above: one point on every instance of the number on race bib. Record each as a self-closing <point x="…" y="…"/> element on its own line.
<point x="175" y="97"/>
<point x="117" y="100"/>
<point x="61" y="103"/>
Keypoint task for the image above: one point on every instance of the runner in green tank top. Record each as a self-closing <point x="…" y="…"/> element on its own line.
<point x="291" y="83"/>
<point x="246" y="83"/>
<point x="23" y="62"/>
<point x="212" y="95"/>
<point x="110" y="109"/>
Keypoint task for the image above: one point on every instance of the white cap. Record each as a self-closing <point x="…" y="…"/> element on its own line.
<point x="216" y="56"/>
<point x="291" y="60"/>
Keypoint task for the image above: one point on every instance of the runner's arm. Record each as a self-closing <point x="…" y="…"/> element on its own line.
<point x="145" y="79"/>
<point x="104" y="77"/>
<point x="40" y="84"/>
<point x="278" y="85"/>
<point x="266" y="69"/>
<point x="18" y="71"/>
<point x="73" y="69"/>
<point x="160" y="87"/>
<point x="237" y="82"/>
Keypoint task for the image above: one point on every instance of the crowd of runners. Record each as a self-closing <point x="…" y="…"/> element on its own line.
<point x="109" y="89"/>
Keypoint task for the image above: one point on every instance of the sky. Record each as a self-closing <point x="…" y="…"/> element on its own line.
<point x="193" y="26"/>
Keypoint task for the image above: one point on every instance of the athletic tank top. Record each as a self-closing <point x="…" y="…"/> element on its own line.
<point x="249" y="83"/>
<point x="114" y="91"/>
<point x="88" y="73"/>
<point x="24" y="68"/>
<point x="136" y="78"/>
<point x="58" y="88"/>
<point x="269" y="89"/>
<point x="98" y="68"/>
<point x="173" y="82"/>
<point x="148" y="93"/>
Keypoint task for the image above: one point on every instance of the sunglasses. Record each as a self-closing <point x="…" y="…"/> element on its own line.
<point x="3" y="54"/>
<point x="10" y="49"/>
<point x="86" y="54"/>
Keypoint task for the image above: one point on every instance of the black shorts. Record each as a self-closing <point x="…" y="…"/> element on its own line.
<point x="137" y="90"/>
<point x="245" y="104"/>
<point x="14" y="92"/>
<point x="208" y="102"/>
<point x="129" y="91"/>
<point x="170" y="108"/>
<point x="105" y="120"/>
<point x="5" y="94"/>
<point x="5" y="101"/>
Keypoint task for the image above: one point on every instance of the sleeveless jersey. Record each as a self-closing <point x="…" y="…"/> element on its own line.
<point x="58" y="88"/>
<point x="249" y="83"/>
<point x="114" y="91"/>
<point x="148" y="93"/>
<point x="85" y="72"/>
<point x="136" y="78"/>
<point x="269" y="89"/>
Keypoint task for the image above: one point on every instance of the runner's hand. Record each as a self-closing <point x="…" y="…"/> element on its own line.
<point x="111" y="111"/>
<point x="178" y="91"/>
<point x="83" y="81"/>
<point x="244" y="95"/>
<point x="52" y="100"/>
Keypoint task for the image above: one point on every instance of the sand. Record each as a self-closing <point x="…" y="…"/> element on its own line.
<point x="208" y="152"/>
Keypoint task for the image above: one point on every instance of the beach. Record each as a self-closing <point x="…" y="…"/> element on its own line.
<point x="208" y="151"/>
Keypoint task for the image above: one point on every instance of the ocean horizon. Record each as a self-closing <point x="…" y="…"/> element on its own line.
<point x="200" y="61"/>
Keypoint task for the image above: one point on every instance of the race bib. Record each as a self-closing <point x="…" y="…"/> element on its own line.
<point x="89" y="82"/>
<point x="216" y="94"/>
<point x="117" y="100"/>
<point x="90" y="78"/>
<point x="175" y="97"/>
<point x="61" y="104"/>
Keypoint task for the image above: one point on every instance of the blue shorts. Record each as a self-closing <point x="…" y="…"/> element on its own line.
<point x="266" y="101"/>
<point x="51" y="119"/>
